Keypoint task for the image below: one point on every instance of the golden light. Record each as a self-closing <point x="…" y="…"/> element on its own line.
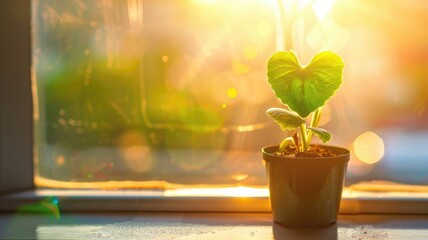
<point x="327" y="35"/>
<point x="165" y="58"/>
<point x="302" y="4"/>
<point x="138" y="158"/>
<point x="131" y="138"/>
<point x="227" y="88"/>
<point x="137" y="155"/>
<point x="325" y="116"/>
<point x="239" y="176"/>
<point x="204" y="2"/>
<point x="135" y="13"/>
<point x="263" y="28"/>
<point x="250" y="52"/>
<point x="253" y="90"/>
<point x="322" y="8"/>
<point x="232" y="92"/>
<point x="240" y="68"/>
<point x="227" y="192"/>
<point x="245" y="128"/>
<point x="369" y="147"/>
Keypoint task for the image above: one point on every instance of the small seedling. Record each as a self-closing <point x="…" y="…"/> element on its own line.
<point x="305" y="90"/>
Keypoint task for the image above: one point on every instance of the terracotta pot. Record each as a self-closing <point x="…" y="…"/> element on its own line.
<point x="305" y="191"/>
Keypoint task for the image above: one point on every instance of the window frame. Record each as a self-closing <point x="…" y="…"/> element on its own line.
<point x="16" y="148"/>
<point x="16" y="108"/>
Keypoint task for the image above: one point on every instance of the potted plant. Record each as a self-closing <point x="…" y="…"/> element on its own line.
<point x="305" y="180"/>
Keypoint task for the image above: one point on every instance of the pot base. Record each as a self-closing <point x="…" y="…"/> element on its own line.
<point x="304" y="225"/>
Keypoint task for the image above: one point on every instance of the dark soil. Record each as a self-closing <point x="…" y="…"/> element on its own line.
<point x="314" y="151"/>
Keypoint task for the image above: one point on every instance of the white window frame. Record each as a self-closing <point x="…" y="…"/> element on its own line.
<point x="16" y="149"/>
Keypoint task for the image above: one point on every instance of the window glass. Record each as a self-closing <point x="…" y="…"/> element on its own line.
<point x="161" y="93"/>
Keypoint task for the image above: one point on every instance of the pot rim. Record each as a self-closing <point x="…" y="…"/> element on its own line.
<point x="343" y="157"/>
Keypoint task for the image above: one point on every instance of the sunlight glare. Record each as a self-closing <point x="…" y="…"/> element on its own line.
<point x="220" y="192"/>
<point x="239" y="176"/>
<point x="302" y="4"/>
<point x="322" y="8"/>
<point x="245" y="128"/>
<point x="204" y="2"/>
<point x="327" y="35"/>
<point x="135" y="13"/>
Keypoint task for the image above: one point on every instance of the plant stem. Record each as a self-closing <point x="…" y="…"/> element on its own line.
<point x="314" y="122"/>
<point x="304" y="138"/>
<point x="316" y="117"/>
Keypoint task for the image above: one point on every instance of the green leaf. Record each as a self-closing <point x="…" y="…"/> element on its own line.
<point x="285" y="143"/>
<point x="322" y="134"/>
<point x="304" y="88"/>
<point x="286" y="119"/>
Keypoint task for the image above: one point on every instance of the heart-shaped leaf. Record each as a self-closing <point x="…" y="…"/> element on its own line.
<point x="304" y="88"/>
<point x="286" y="119"/>
<point x="323" y="134"/>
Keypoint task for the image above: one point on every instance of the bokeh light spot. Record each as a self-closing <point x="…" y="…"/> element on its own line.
<point x="87" y="52"/>
<point x="60" y="160"/>
<point x="138" y="158"/>
<point x="250" y="52"/>
<point x="223" y="81"/>
<point x="137" y="155"/>
<point x="369" y="147"/>
<point x="224" y="105"/>
<point x="232" y="93"/>
<point x="165" y="58"/>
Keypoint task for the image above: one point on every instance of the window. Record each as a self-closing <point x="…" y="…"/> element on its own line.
<point x="173" y="93"/>
<point x="159" y="92"/>
<point x="164" y="92"/>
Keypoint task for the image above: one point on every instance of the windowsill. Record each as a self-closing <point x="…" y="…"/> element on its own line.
<point x="233" y="199"/>
<point x="177" y="214"/>
<point x="191" y="226"/>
